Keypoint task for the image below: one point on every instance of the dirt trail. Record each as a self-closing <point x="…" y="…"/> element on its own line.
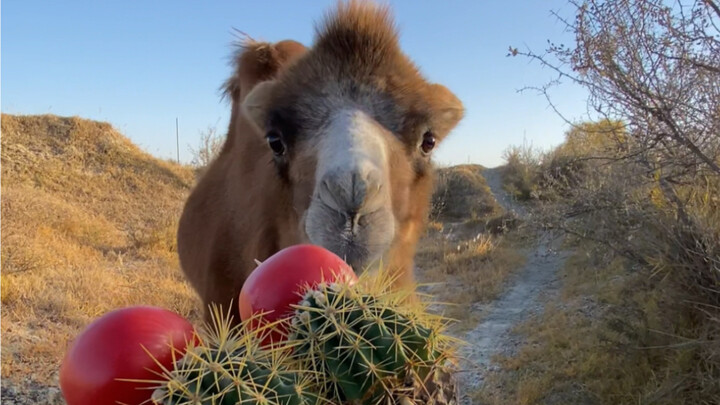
<point x="522" y="298"/>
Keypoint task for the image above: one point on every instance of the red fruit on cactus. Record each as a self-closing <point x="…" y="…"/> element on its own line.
<point x="110" y="350"/>
<point x="278" y="282"/>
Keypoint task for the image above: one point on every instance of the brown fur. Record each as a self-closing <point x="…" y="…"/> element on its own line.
<point x="245" y="208"/>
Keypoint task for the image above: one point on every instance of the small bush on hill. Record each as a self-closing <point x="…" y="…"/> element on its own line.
<point x="209" y="147"/>
<point x="521" y="171"/>
<point x="461" y="193"/>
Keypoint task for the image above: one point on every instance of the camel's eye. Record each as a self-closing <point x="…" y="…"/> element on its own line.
<point x="428" y="142"/>
<point x="275" y="141"/>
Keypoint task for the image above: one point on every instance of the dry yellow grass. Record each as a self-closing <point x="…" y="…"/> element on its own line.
<point x="602" y="343"/>
<point x="471" y="270"/>
<point x="88" y="225"/>
<point x="639" y="318"/>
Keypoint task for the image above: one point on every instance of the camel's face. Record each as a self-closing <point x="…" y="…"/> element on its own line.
<point x="349" y="174"/>
<point x="351" y="126"/>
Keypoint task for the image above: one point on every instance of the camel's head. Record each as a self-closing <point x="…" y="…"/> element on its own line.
<point x="351" y="126"/>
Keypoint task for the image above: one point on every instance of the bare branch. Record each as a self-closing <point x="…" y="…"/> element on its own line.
<point x="713" y="5"/>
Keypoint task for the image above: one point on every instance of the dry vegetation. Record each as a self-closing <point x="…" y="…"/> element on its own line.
<point x="88" y="225"/>
<point x="612" y="338"/>
<point x="638" y="317"/>
<point x="468" y="269"/>
<point x="637" y="192"/>
<point x="520" y="177"/>
<point x="208" y="148"/>
<point x="640" y="310"/>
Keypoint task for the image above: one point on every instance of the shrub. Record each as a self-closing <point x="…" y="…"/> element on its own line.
<point x="461" y="193"/>
<point x="209" y="147"/>
<point x="521" y="172"/>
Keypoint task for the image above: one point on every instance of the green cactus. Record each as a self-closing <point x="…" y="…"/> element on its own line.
<point x="359" y="344"/>
<point x="363" y="344"/>
<point x="229" y="367"/>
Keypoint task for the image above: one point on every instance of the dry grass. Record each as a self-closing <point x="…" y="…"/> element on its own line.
<point x="88" y="225"/>
<point x="477" y="262"/>
<point x="469" y="269"/>
<point x="639" y="317"/>
<point x="520" y="172"/>
<point x="602" y="343"/>
<point x="463" y="250"/>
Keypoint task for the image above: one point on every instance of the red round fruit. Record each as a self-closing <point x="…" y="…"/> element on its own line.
<point x="278" y="282"/>
<point x="110" y="349"/>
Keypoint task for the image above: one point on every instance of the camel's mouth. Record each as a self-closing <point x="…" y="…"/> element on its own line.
<point x="354" y="254"/>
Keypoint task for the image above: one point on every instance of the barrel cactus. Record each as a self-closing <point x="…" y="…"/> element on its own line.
<point x="348" y="344"/>
<point x="365" y="345"/>
<point x="229" y="367"/>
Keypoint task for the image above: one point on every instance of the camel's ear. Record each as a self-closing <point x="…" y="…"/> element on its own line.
<point x="256" y="104"/>
<point x="258" y="61"/>
<point x="448" y="110"/>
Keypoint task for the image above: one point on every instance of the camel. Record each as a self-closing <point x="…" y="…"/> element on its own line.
<point x="329" y="145"/>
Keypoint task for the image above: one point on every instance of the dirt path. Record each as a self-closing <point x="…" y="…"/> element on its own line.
<point x="493" y="178"/>
<point x="524" y="297"/>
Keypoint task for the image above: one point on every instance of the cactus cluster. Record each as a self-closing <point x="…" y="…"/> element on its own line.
<point x="364" y="345"/>
<point x="347" y="344"/>
<point x="229" y="367"/>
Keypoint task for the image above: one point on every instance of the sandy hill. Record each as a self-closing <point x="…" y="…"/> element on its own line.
<point x="88" y="225"/>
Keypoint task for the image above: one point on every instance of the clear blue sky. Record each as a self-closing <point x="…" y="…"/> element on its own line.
<point x="138" y="65"/>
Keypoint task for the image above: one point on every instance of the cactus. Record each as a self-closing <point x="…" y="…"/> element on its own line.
<point x="348" y="344"/>
<point x="229" y="367"/>
<point x="364" y="344"/>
